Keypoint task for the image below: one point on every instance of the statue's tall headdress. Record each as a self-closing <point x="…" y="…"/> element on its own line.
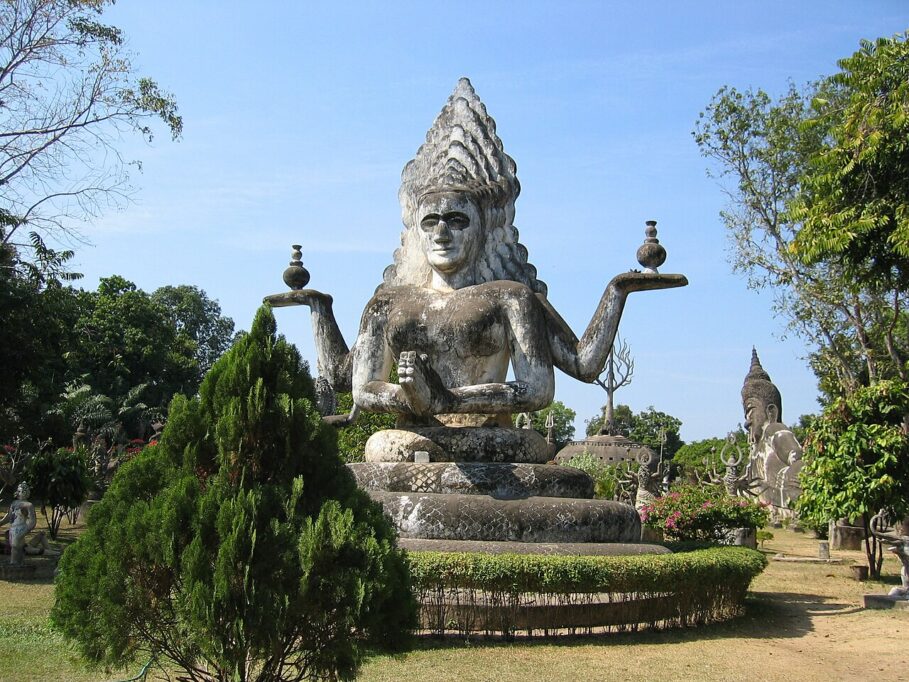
<point x="462" y="153"/>
<point x="758" y="385"/>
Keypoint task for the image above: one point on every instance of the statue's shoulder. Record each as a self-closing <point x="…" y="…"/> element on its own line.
<point x="507" y="289"/>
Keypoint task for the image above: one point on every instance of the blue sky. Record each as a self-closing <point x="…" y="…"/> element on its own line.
<point x="300" y="116"/>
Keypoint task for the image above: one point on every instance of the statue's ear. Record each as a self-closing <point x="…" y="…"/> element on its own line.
<point x="773" y="413"/>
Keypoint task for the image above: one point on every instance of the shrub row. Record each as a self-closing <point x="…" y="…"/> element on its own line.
<point x="506" y="593"/>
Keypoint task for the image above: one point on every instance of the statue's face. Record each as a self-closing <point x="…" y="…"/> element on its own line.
<point x="451" y="230"/>
<point x="755" y="418"/>
<point x="22" y="491"/>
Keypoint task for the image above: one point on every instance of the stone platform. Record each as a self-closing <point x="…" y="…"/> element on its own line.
<point x="546" y="548"/>
<point x="437" y="516"/>
<point x="502" y="481"/>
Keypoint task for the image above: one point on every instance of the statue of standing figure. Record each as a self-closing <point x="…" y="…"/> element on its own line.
<point x="776" y="455"/>
<point x="22" y="520"/>
<point x="460" y="305"/>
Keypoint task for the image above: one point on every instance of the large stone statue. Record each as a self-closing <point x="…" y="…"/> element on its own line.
<point x="22" y="520"/>
<point x="459" y="307"/>
<point x="776" y="456"/>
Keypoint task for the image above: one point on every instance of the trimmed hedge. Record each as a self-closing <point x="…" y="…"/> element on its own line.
<point x="507" y="593"/>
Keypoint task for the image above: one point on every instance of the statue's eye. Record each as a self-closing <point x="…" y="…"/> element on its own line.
<point x="457" y="221"/>
<point x="429" y="222"/>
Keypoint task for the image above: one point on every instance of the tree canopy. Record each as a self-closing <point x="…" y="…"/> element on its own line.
<point x="68" y="94"/>
<point x="857" y="459"/>
<point x="239" y="547"/>
<point x="766" y="149"/>
<point x="657" y="430"/>
<point x="854" y="203"/>
<point x="117" y="348"/>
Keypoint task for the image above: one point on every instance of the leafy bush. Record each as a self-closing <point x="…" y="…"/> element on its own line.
<point x="239" y="546"/>
<point x="702" y="513"/>
<point x="605" y="477"/>
<point x="694" y="587"/>
<point x="61" y="480"/>
<point x="857" y="461"/>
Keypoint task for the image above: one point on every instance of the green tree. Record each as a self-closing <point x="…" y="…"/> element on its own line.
<point x="622" y="416"/>
<point x="38" y="314"/>
<point x="764" y="148"/>
<point x="197" y="317"/>
<point x="352" y="438"/>
<point x="855" y="191"/>
<point x="69" y="95"/>
<point x="239" y="548"/>
<point x="857" y="461"/>
<point x="657" y="430"/>
<point x="61" y="480"/>
<point x="562" y="423"/>
<point x="127" y="339"/>
<point x="703" y="456"/>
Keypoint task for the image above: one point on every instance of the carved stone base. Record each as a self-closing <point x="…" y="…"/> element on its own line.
<point x="502" y="481"/>
<point x="458" y="444"/>
<point x="535" y="519"/>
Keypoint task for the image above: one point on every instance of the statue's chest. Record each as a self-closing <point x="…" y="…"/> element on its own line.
<point x="464" y="325"/>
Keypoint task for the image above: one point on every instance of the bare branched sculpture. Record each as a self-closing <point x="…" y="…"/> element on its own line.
<point x="619" y="370"/>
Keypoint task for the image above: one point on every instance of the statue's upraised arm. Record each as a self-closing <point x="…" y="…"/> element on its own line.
<point x="333" y="355"/>
<point x="585" y="359"/>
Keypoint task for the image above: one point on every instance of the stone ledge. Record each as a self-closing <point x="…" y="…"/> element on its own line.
<point x="535" y="519"/>
<point x="548" y="548"/>
<point x="883" y="601"/>
<point x="500" y="480"/>
<point x="23" y="572"/>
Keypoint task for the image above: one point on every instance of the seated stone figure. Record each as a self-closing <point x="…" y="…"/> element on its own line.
<point x="460" y="306"/>
<point x="776" y="456"/>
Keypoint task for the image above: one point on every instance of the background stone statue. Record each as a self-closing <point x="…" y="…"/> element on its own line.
<point x="22" y="520"/>
<point x="776" y="456"/>
<point x="899" y="545"/>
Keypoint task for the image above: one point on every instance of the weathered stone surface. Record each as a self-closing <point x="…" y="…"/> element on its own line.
<point x="549" y="548"/>
<point x="535" y="519"/>
<point x="607" y="448"/>
<point x="846" y="537"/>
<point x="503" y="481"/>
<point x="458" y="444"/>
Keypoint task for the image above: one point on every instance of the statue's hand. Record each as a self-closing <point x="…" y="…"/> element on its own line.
<point x="308" y="297"/>
<point x="424" y="389"/>
<point x="645" y="281"/>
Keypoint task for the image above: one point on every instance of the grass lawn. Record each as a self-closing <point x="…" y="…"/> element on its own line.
<point x="803" y="622"/>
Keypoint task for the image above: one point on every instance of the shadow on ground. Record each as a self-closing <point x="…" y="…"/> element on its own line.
<point x="768" y="615"/>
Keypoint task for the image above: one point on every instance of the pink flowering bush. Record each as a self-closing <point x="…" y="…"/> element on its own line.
<point x="702" y="513"/>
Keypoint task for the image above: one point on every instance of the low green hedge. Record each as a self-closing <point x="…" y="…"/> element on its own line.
<point x="505" y="593"/>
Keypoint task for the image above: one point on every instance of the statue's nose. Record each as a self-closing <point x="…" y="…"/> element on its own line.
<point x="442" y="232"/>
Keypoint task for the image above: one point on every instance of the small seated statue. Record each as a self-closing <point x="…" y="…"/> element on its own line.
<point x="459" y="306"/>
<point x="22" y="520"/>
<point x="776" y="456"/>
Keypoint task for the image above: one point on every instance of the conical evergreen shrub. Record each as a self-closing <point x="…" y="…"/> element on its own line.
<point x="239" y="547"/>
